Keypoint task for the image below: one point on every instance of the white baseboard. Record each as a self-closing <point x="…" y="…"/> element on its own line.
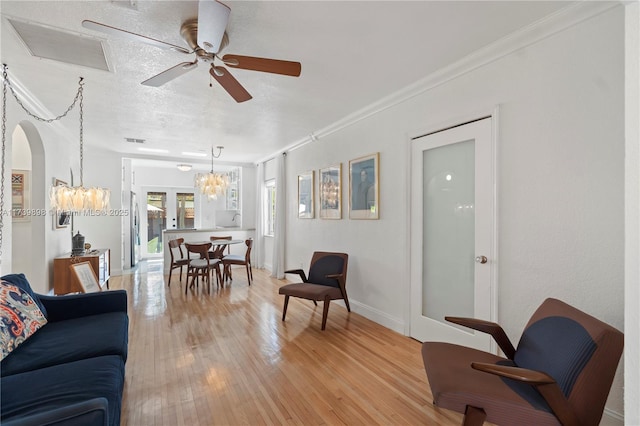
<point x="375" y="315"/>
<point x="611" y="418"/>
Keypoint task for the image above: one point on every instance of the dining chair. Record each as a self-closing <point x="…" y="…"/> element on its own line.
<point x="215" y="238"/>
<point x="217" y="250"/>
<point x="201" y="267"/>
<point x="236" y="259"/>
<point x="177" y="257"/>
<point x="560" y="374"/>
<point x="326" y="282"/>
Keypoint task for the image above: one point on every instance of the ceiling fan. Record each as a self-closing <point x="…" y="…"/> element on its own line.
<point x="206" y="36"/>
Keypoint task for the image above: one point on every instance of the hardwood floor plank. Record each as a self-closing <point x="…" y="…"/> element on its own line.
<point x="226" y="358"/>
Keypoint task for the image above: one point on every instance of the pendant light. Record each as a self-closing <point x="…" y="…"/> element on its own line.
<point x="78" y="198"/>
<point x="212" y="184"/>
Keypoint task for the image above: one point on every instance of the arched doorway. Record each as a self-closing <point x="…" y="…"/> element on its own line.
<point x="29" y="232"/>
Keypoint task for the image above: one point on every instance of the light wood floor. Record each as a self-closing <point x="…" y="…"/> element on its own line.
<point x="226" y="358"/>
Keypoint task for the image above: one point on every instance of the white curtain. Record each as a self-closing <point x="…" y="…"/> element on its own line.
<point x="258" y="241"/>
<point x="279" y="225"/>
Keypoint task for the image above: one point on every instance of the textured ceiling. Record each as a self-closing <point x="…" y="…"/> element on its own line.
<point x="352" y="54"/>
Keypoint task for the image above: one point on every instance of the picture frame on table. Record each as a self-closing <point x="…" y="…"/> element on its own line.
<point x="330" y="191"/>
<point x="306" y="186"/>
<point x="20" y="195"/>
<point x="85" y="276"/>
<point x="364" y="187"/>
<point x="61" y="219"/>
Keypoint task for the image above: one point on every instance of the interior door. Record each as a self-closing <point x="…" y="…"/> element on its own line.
<point x="452" y="210"/>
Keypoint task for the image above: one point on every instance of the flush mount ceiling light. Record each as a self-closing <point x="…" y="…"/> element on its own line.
<point x="212" y="184"/>
<point x="184" y="167"/>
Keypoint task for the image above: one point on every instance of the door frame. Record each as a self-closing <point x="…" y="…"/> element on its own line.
<point x="494" y="114"/>
<point x="171" y="191"/>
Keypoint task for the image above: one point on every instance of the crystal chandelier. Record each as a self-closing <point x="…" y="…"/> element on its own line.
<point x="79" y="198"/>
<point x="212" y="184"/>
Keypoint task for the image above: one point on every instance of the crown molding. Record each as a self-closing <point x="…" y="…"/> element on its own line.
<point x="552" y="24"/>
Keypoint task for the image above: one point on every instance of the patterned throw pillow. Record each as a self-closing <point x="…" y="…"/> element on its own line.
<point x="20" y="317"/>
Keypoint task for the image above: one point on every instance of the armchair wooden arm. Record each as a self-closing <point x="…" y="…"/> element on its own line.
<point x="491" y="328"/>
<point x="335" y="276"/>
<point x="300" y="272"/>
<point x="544" y="383"/>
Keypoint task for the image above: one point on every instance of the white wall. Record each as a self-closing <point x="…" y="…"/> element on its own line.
<point x="632" y="214"/>
<point x="560" y="180"/>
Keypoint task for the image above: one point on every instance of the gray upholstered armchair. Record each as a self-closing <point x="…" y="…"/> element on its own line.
<point x="326" y="282"/>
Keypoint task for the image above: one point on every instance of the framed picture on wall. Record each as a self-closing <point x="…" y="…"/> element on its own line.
<point x="61" y="219"/>
<point x="305" y="195"/>
<point x="20" y="195"/>
<point x="364" y="193"/>
<point x="330" y="188"/>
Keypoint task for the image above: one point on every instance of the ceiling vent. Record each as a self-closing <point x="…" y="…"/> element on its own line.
<point x="71" y="48"/>
<point x="134" y="140"/>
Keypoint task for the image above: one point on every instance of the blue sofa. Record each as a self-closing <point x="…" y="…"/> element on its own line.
<point x="70" y="371"/>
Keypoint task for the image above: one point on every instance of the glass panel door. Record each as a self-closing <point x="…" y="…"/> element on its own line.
<point x="185" y="210"/>
<point x="156" y="220"/>
<point x="452" y="219"/>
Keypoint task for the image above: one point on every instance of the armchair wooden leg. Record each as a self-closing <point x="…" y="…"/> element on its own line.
<point x="325" y="312"/>
<point x="169" y="283"/>
<point x="284" y="310"/>
<point x="474" y="416"/>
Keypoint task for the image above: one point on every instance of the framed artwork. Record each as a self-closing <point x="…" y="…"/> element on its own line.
<point x="364" y="194"/>
<point x="330" y="187"/>
<point x="83" y="274"/>
<point x="20" y="195"/>
<point x="61" y="219"/>
<point x="305" y="195"/>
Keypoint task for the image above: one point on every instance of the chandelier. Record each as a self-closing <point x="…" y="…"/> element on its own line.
<point x="79" y="198"/>
<point x="212" y="184"/>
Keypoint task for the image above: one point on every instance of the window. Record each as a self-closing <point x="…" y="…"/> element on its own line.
<point x="270" y="207"/>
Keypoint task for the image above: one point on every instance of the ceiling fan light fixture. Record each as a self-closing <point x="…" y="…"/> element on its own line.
<point x="184" y="167"/>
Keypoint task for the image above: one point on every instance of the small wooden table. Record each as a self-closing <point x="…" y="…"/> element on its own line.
<point x="100" y="260"/>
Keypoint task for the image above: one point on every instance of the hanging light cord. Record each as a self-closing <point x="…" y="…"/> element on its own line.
<point x="6" y="83"/>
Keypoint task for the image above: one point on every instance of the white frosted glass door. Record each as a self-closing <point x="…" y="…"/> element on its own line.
<point x="452" y="203"/>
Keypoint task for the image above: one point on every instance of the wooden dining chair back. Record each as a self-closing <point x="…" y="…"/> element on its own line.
<point x="327" y="281"/>
<point x="218" y="250"/>
<point x="178" y="260"/>
<point x="560" y="373"/>
<point x="236" y="259"/>
<point x="201" y="267"/>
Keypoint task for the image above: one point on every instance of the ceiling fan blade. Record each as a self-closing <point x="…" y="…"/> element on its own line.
<point x="230" y="84"/>
<point x="107" y="29"/>
<point x="170" y="74"/>
<point x="275" y="66"/>
<point x="213" y="17"/>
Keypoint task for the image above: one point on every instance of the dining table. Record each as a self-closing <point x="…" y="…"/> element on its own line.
<point x="217" y="246"/>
